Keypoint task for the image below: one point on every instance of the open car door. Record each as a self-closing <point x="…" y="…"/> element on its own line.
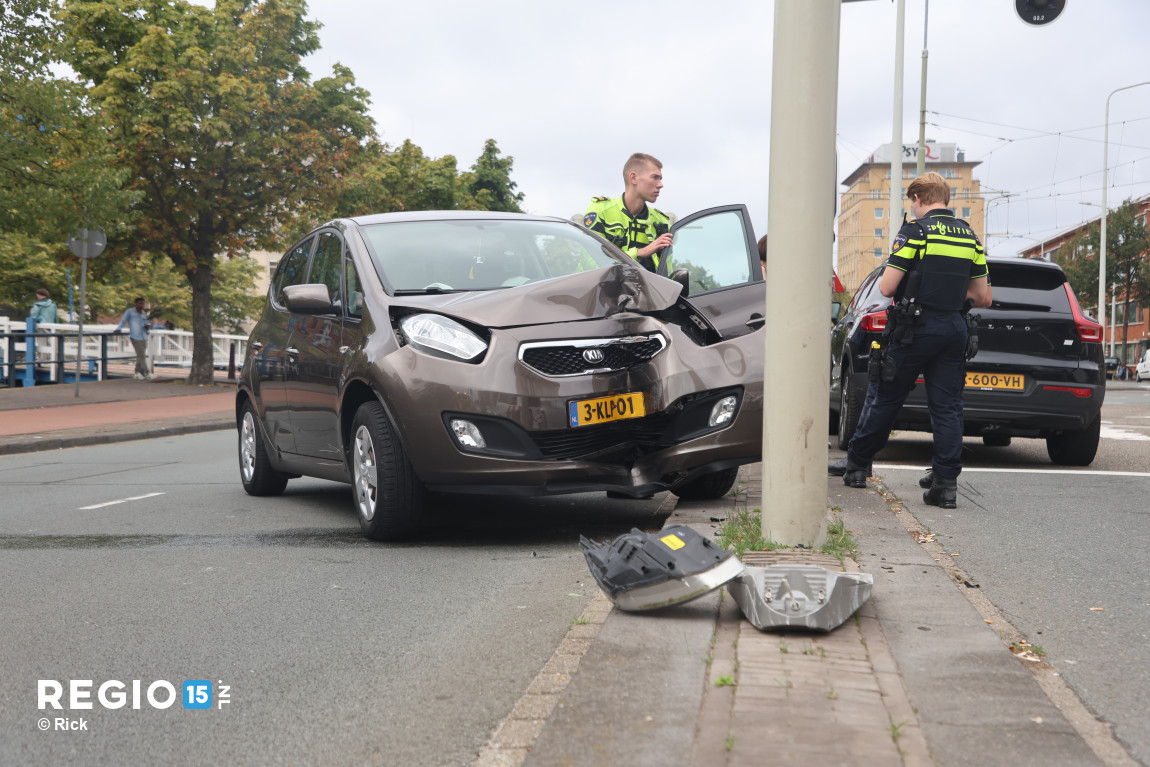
<point x="718" y="249"/>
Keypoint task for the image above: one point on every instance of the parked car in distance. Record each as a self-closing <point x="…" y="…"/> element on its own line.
<point x="1112" y="364"/>
<point x="1038" y="373"/>
<point x="502" y="353"/>
<point x="1142" y="370"/>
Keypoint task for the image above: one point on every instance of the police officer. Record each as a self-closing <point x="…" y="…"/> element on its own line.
<point x="947" y="267"/>
<point x="627" y="221"/>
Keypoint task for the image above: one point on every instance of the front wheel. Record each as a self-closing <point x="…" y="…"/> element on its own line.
<point x="388" y="495"/>
<point x="709" y="486"/>
<point x="256" y="470"/>
<point x="1075" y="448"/>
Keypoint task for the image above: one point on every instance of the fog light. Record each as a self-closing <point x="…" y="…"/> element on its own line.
<point x="723" y="412"/>
<point x="467" y="434"/>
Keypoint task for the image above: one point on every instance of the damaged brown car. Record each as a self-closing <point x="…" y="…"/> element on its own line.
<point x="503" y="353"/>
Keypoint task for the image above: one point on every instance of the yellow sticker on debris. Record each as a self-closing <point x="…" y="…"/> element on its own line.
<point x="673" y="542"/>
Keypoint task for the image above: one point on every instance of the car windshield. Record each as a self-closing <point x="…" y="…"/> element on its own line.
<point x="469" y="254"/>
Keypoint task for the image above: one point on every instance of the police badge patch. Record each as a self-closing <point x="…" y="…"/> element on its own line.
<point x="898" y="243"/>
<point x="590" y="219"/>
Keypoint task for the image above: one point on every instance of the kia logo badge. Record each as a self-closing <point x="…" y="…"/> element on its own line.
<point x="593" y="356"/>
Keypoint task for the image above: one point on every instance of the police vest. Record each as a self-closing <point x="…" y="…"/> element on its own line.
<point x="610" y="218"/>
<point x="946" y="253"/>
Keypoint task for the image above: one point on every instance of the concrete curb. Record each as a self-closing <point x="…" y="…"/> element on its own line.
<point x="102" y="435"/>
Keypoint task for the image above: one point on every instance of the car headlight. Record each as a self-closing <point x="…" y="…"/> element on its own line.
<point x="443" y="335"/>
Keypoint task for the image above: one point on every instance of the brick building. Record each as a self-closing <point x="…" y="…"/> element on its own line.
<point x="1138" y="332"/>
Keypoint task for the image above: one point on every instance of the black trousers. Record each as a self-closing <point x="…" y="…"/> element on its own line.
<point x="938" y="352"/>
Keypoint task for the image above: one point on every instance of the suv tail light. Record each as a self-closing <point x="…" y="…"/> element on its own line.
<point x="875" y="322"/>
<point x="1088" y="330"/>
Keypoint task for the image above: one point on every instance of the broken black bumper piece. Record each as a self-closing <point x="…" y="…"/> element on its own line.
<point x="645" y="571"/>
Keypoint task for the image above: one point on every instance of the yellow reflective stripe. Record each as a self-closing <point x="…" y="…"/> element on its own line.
<point x="953" y="251"/>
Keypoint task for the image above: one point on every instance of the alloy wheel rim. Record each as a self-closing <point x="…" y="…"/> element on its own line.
<point x="248" y="447"/>
<point x="366" y="491"/>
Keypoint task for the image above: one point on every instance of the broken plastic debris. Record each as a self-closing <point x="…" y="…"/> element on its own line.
<point x="1022" y="651"/>
<point x="645" y="571"/>
<point x="922" y="537"/>
<point x="799" y="596"/>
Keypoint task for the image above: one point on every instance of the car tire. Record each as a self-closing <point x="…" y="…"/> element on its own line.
<point x="851" y="397"/>
<point x="996" y="440"/>
<point x="1075" y="448"/>
<point x="709" y="486"/>
<point x="256" y="472"/>
<point x="388" y="496"/>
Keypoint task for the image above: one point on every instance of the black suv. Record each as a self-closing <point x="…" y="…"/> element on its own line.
<point x="1039" y="371"/>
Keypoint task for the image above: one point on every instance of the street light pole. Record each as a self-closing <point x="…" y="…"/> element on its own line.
<point x="896" y="133"/>
<point x="922" y="97"/>
<point x="1102" y="246"/>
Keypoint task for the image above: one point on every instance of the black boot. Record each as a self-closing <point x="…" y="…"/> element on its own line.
<point x="925" y="480"/>
<point x="839" y="468"/>
<point x="855" y="474"/>
<point x="943" y="493"/>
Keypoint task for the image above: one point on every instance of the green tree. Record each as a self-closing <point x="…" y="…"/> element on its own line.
<point x="57" y="170"/>
<point x="385" y="180"/>
<point x="489" y="184"/>
<point x="224" y="135"/>
<point x="1127" y="264"/>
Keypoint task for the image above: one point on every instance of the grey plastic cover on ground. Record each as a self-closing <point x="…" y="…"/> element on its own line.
<point x="799" y="596"/>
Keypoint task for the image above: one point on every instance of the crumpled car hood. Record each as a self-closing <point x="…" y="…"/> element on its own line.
<point x="587" y="295"/>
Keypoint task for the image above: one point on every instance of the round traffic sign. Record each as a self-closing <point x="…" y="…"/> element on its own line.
<point x="88" y="243"/>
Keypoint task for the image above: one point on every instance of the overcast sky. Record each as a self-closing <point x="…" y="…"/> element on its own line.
<point x="571" y="89"/>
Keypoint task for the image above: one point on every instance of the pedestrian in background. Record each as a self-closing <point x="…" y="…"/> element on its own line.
<point x="136" y="318"/>
<point x="763" y="254"/>
<point x="44" y="310"/>
<point x="640" y="231"/>
<point x="929" y="335"/>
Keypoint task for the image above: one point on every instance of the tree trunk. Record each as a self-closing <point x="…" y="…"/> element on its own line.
<point x="203" y="370"/>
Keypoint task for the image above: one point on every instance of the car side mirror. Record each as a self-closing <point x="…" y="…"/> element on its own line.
<point x="683" y="277"/>
<point x="836" y="311"/>
<point x="308" y="299"/>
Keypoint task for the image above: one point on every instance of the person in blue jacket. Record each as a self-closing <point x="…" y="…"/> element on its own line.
<point x="136" y="318"/>
<point x="44" y="310"/>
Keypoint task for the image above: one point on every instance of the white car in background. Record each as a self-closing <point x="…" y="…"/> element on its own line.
<point x="1142" y="372"/>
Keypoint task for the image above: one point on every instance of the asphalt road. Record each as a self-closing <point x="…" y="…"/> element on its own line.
<point x="147" y="561"/>
<point x="1062" y="552"/>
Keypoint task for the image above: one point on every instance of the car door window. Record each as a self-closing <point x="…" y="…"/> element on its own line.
<point x="714" y="250"/>
<point x="354" y="288"/>
<point x="327" y="265"/>
<point x="292" y="269"/>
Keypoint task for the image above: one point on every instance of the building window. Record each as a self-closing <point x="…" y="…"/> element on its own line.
<point x="878" y="252"/>
<point x="878" y="232"/>
<point x="878" y="212"/>
<point x="966" y="212"/>
<point x="272" y="267"/>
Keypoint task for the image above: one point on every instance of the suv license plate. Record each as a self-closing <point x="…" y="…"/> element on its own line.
<point x="587" y="412"/>
<point x="996" y="381"/>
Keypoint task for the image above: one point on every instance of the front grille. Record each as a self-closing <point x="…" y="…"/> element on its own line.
<point x="652" y="432"/>
<point x="570" y="358"/>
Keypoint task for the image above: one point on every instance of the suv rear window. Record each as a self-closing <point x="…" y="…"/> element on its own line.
<point x="1029" y="289"/>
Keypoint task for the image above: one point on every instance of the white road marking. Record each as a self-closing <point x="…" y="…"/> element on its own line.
<point x="966" y="470"/>
<point x="1111" y="432"/>
<point x="122" y="500"/>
